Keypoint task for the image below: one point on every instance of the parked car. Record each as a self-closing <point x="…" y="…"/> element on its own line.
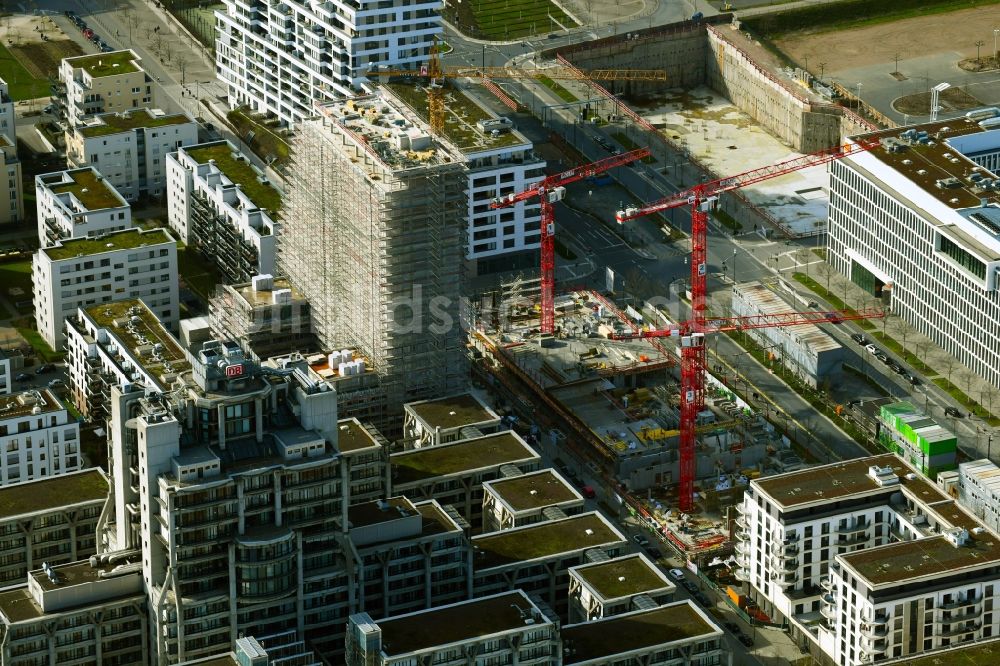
<point x="733" y="627"/>
<point x="107" y="49"/>
<point x="860" y="339"/>
<point x="913" y="380"/>
<point x="951" y="411"/>
<point x="87" y="32"/>
<point x="640" y="540"/>
<point x="746" y="640"/>
<point x="689" y="585"/>
<point x="57" y="383"/>
<point x="703" y="599"/>
<point x="898" y="369"/>
<point x="872" y="349"/>
<point x="22" y="377"/>
<point x="44" y="368"/>
<point x="882" y="357"/>
<point x="588" y="492"/>
<point x="653" y="552"/>
<point x="676" y="574"/>
<point x="95" y="38"/>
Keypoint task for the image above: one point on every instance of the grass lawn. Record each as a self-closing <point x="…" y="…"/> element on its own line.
<point x="41" y="347"/>
<point x="507" y="19"/>
<point x="17" y="275"/>
<point x="199" y="275"/>
<point x="21" y="84"/>
<point x="560" y="92"/>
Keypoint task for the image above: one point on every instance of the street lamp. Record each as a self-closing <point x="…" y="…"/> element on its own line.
<point x="734" y="266"/>
<point x="935" y="98"/>
<point x="996" y="31"/>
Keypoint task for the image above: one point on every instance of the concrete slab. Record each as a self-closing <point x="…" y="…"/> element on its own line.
<point x="728" y="141"/>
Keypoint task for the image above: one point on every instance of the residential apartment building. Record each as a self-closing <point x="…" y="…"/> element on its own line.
<point x="266" y="316"/>
<point x="916" y="221"/>
<point x="222" y="205"/>
<point x="977" y="486"/>
<point x="524" y="499"/>
<point x="454" y="473"/>
<point x="114" y="267"/>
<point x="677" y="634"/>
<point x="88" y="612"/>
<point x="618" y="586"/>
<point x="38" y="437"/>
<point x="51" y="520"/>
<point x="11" y="201"/>
<point x="537" y="558"/>
<point x="10" y="363"/>
<point x="369" y="237"/>
<point x="78" y="203"/>
<point x="104" y="83"/>
<point x="280" y="59"/>
<point x="130" y="148"/>
<point x="503" y="628"/>
<point x="868" y="560"/>
<point x="448" y="419"/>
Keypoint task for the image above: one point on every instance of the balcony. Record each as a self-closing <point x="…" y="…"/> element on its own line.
<point x="785" y="581"/>
<point x="828" y="611"/>
<point x="743" y="561"/>
<point x="969" y="613"/>
<point x="742" y="534"/>
<point x="874" y="630"/>
<point x="852" y="529"/>
<point x="959" y="603"/>
<point x="741" y="509"/>
<point x="826" y="583"/>
<point x="853" y="540"/>
<point x="742" y="522"/>
<point x="791" y="538"/>
<point x="959" y="629"/>
<point x="742" y="574"/>
<point x="742" y="547"/>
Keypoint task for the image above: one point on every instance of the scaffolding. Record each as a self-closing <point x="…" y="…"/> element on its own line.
<point x="373" y="236"/>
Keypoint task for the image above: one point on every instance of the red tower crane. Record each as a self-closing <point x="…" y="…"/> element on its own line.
<point x="692" y="332"/>
<point x="549" y="191"/>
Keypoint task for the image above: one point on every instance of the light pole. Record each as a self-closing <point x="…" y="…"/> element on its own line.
<point x="859" y="91"/>
<point x="996" y="31"/>
<point x="734" y="267"/>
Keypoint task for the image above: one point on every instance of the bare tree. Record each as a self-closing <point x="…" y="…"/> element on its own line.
<point x="950" y="364"/>
<point x="148" y="29"/>
<point x="158" y="44"/>
<point x="167" y="50"/>
<point x="182" y="66"/>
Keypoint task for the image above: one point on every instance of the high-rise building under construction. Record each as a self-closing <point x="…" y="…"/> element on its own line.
<point x="373" y="235"/>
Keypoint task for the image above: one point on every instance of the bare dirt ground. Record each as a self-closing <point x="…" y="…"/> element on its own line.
<point x="955" y="32"/>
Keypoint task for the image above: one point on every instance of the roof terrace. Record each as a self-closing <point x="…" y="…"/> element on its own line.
<point x="239" y="171"/>
<point x="87" y="185"/>
<point x="113" y="123"/>
<point x="128" y="239"/>
<point x="543" y="540"/>
<point x="114" y="63"/>
<point x="138" y="329"/>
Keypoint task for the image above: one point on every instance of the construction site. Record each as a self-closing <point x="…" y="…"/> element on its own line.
<point x="370" y="240"/>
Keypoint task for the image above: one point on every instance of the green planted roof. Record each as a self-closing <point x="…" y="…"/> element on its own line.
<point x="53" y="493"/>
<point x="113" y="123"/>
<point x="92" y="190"/>
<point x="107" y="64"/>
<point x="240" y="172"/>
<point x="122" y="240"/>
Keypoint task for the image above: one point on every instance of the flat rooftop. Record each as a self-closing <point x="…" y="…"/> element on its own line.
<point x="53" y="493"/>
<point x="452" y="412"/>
<point x="352" y="436"/>
<point x="938" y="160"/>
<point x="623" y="577"/>
<point x="113" y="123"/>
<point x="107" y="64"/>
<point x="542" y="540"/>
<point x="22" y="403"/>
<point x="930" y="557"/>
<point x="389" y="130"/>
<point x="255" y="297"/>
<point x="74" y="573"/>
<point x="634" y="631"/>
<point x="128" y="239"/>
<point x="462" y="114"/>
<point x="765" y="301"/>
<point x="442" y="626"/>
<point x="379" y="511"/>
<point x="535" y="490"/>
<point x="463" y="456"/>
<point x="983" y="653"/>
<point x="239" y="171"/>
<point x="140" y="331"/>
<point x="89" y="187"/>
<point x="435" y="521"/>
<point x="825" y="483"/>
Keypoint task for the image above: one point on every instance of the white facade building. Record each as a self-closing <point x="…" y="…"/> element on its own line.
<point x="281" y="57"/>
<point x="114" y="267"/>
<point x="917" y="221"/>
<point x="130" y="148"/>
<point x="868" y="561"/>
<point x="104" y="83"/>
<point x="78" y="203"/>
<point x="11" y="201"/>
<point x="220" y="204"/>
<point x="38" y="439"/>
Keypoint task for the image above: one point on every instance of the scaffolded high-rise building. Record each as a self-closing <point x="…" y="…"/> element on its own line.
<point x="373" y="235"/>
